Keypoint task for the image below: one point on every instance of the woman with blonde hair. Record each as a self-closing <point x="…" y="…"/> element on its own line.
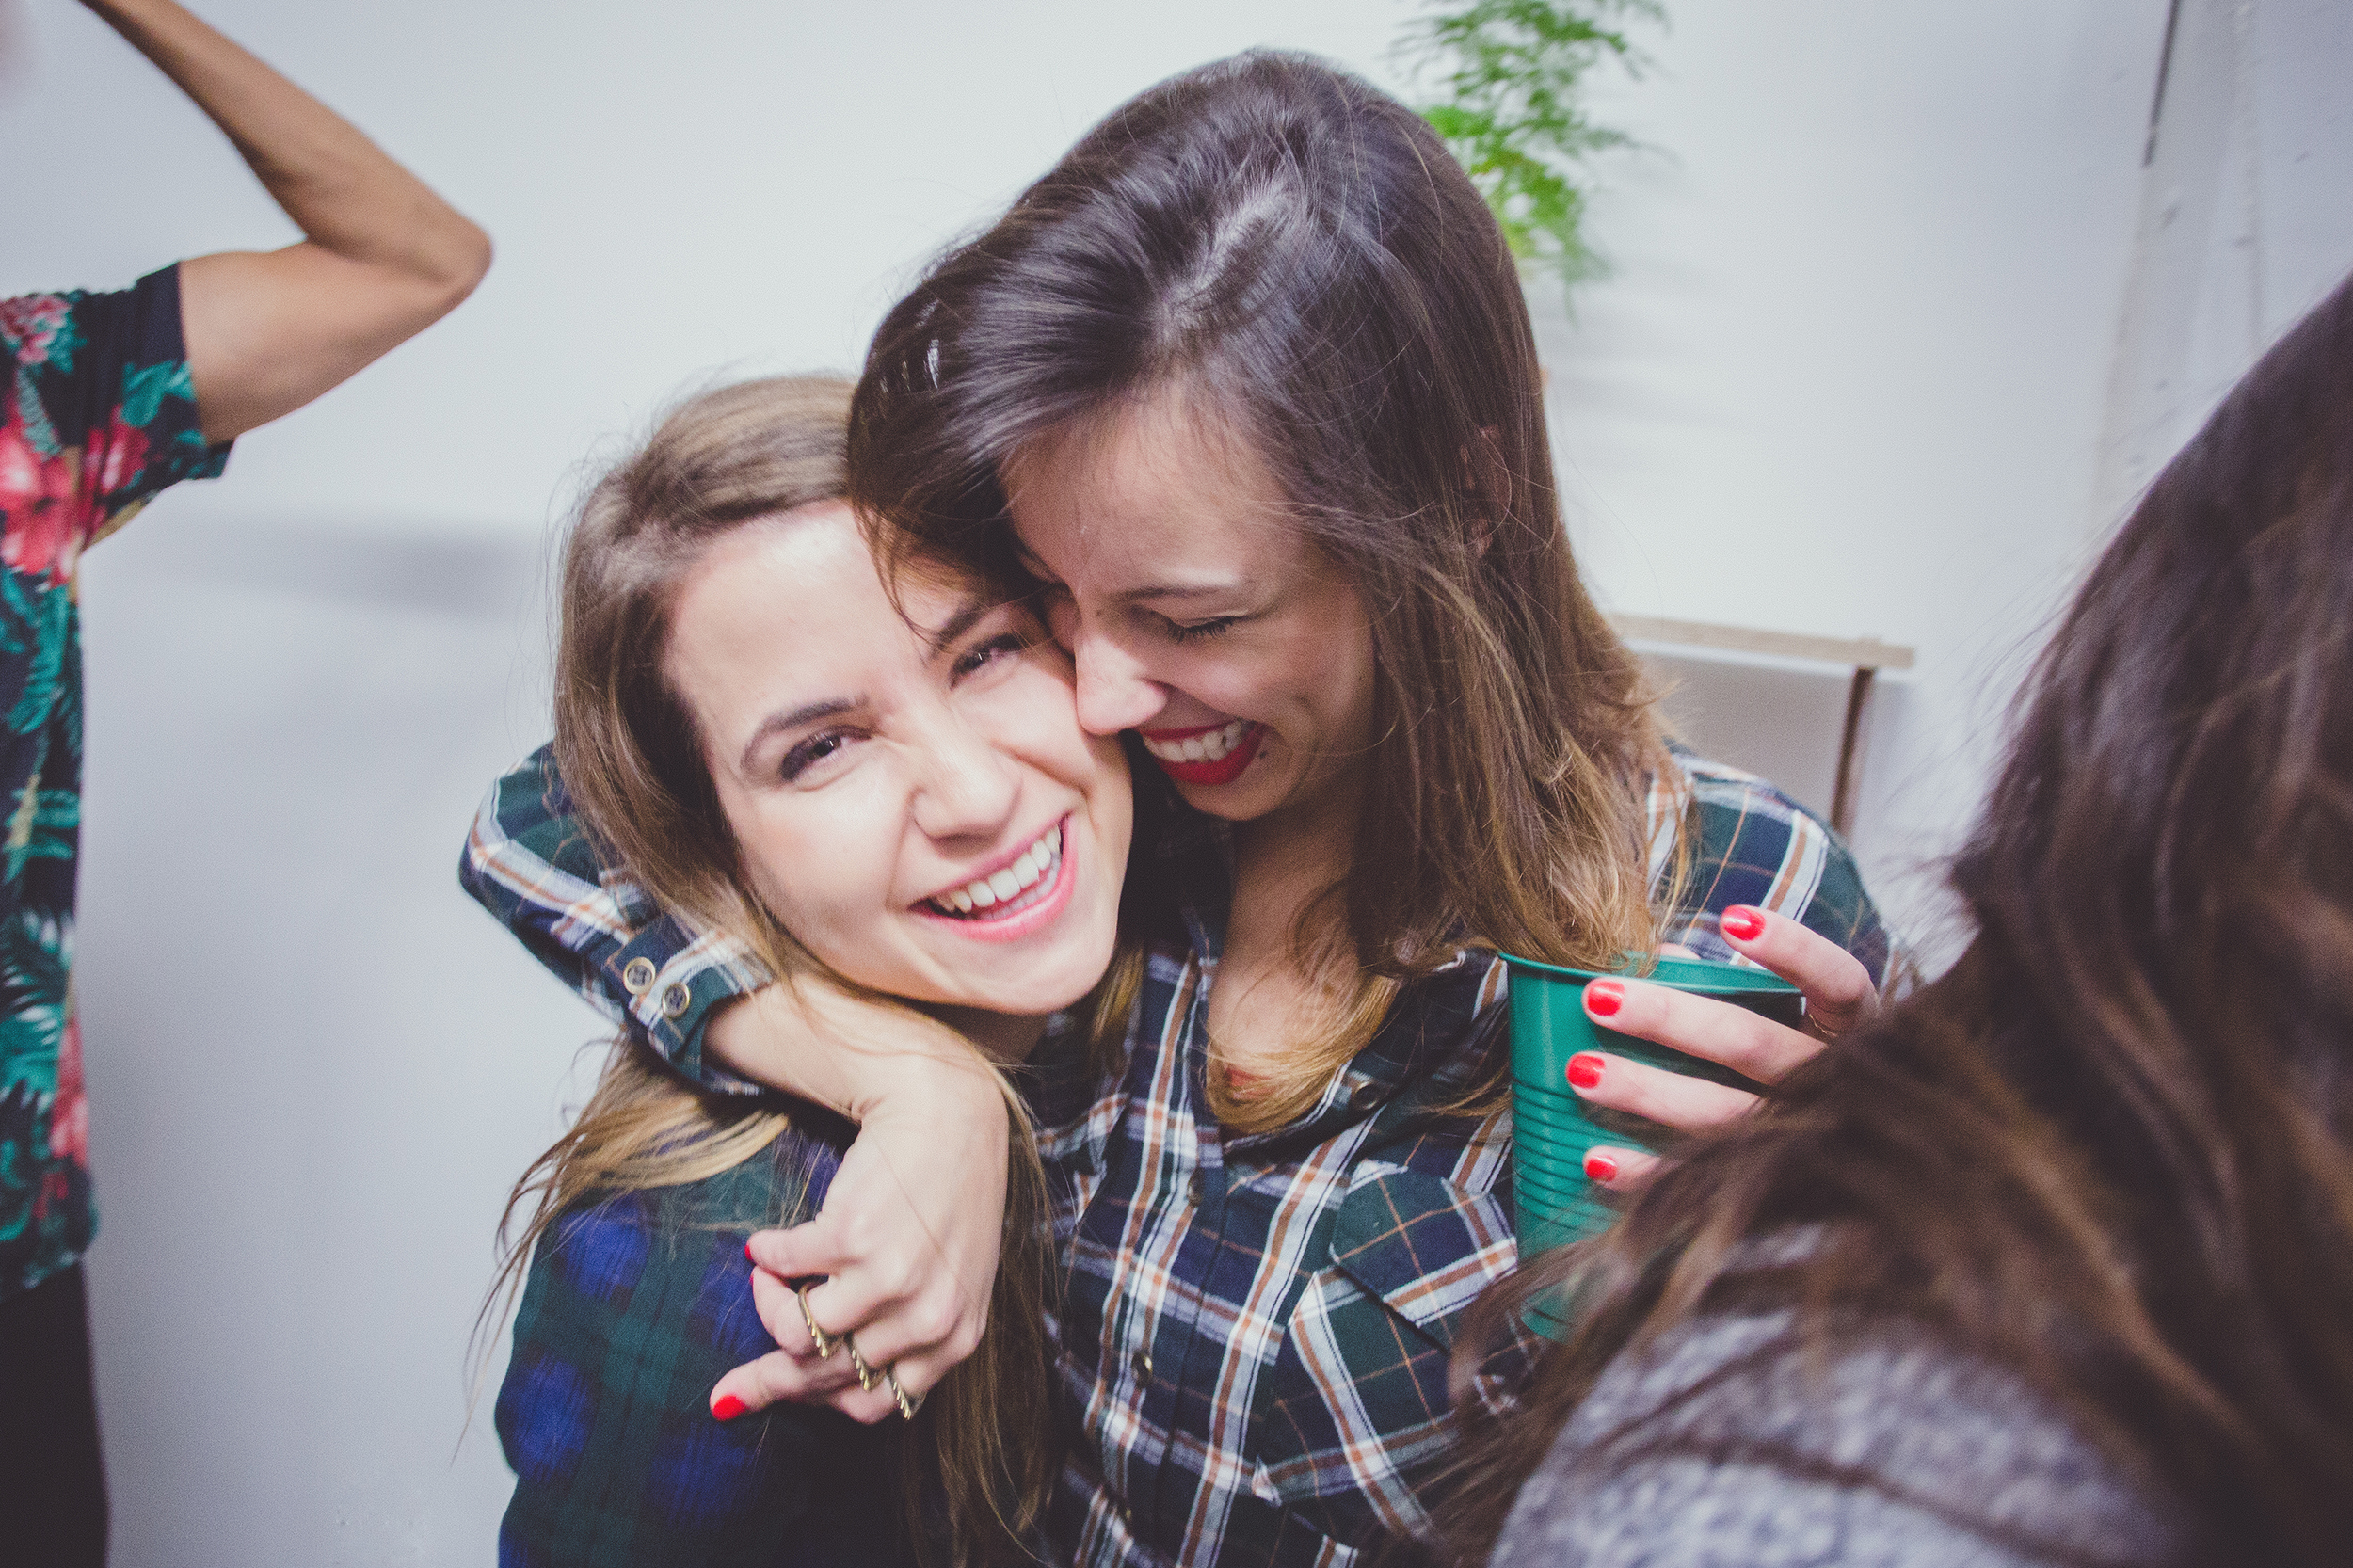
<point x="876" y="777"/>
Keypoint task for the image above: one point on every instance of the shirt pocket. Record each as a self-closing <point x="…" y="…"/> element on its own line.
<point x="1356" y="1408"/>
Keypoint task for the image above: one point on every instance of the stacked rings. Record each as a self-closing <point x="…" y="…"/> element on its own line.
<point x="867" y="1377"/>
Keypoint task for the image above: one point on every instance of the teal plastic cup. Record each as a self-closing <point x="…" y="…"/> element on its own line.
<point x="1553" y="1202"/>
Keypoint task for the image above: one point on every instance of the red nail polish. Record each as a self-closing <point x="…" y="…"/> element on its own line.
<point x="1600" y="1166"/>
<point x="748" y="1254"/>
<point x="1584" y="1069"/>
<point x="1603" y="999"/>
<point x="727" y="1407"/>
<point x="1742" y="923"/>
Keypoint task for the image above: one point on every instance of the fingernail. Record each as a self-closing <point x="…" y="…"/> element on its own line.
<point x="1600" y="1166"/>
<point x="1742" y="923"/>
<point x="728" y="1407"/>
<point x="1603" y="999"/>
<point x="748" y="1252"/>
<point x="1585" y="1068"/>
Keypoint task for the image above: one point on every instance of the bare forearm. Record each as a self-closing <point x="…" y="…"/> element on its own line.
<point x="336" y="186"/>
<point x="851" y="1055"/>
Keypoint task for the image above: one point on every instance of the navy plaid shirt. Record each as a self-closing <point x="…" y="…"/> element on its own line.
<point x="1253" y="1332"/>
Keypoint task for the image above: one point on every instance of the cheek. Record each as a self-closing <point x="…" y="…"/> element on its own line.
<point x="821" y="870"/>
<point x="1344" y="657"/>
<point x="1033" y="716"/>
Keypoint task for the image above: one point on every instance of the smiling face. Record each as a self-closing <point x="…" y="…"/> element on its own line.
<point x="912" y="797"/>
<point x="1197" y="613"/>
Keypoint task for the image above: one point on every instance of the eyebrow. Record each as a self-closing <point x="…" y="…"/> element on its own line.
<point x="956" y="626"/>
<point x="1161" y="590"/>
<point x="808" y="712"/>
<point x="1036" y="568"/>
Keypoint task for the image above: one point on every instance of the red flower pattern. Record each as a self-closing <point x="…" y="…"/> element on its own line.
<point x="42" y="500"/>
<point x="68" y="1117"/>
<point x="30" y="322"/>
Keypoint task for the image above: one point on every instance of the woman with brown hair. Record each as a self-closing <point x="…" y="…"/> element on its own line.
<point x="2055" y="1264"/>
<point x="1244" y="391"/>
<point x="875" y="777"/>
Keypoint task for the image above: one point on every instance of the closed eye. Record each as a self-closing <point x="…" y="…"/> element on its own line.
<point x="1189" y="631"/>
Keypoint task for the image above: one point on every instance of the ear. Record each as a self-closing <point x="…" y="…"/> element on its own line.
<point x="1487" y="476"/>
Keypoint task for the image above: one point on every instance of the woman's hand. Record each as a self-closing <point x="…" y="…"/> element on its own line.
<point x="1838" y="996"/>
<point x="908" y="1235"/>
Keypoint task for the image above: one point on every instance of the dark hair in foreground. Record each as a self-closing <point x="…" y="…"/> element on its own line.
<point x="2112" y="1150"/>
<point x="1296" y="257"/>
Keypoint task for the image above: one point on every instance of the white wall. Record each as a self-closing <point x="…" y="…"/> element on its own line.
<point x="1851" y="377"/>
<point x="1868" y="366"/>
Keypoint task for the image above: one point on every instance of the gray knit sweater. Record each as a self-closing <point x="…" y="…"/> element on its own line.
<point x="1890" y="1450"/>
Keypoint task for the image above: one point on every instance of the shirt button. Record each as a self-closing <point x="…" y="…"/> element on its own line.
<point x="675" y="1000"/>
<point x="638" y="974"/>
<point x="1364" y="1096"/>
<point x="1143" y="1365"/>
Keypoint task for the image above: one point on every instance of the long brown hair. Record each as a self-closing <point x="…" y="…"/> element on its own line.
<point x="626" y="748"/>
<point x="2111" y="1150"/>
<point x="1296" y="251"/>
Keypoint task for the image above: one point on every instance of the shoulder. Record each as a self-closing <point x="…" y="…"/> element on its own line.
<point x="75" y="335"/>
<point x="100" y="410"/>
<point x="1722" y="837"/>
<point x="1729" y="1442"/>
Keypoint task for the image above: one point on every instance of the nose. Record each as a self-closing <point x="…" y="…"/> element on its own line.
<point x="966" y="788"/>
<point x="1113" y="691"/>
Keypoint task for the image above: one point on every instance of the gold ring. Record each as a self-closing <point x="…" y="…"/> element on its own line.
<point x="817" y="1337"/>
<point x="857" y="1365"/>
<point x="907" y="1407"/>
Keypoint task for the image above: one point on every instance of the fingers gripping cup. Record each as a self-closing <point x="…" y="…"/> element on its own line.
<point x="1553" y="1202"/>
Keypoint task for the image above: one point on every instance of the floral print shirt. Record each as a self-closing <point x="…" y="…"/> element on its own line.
<point x="97" y="414"/>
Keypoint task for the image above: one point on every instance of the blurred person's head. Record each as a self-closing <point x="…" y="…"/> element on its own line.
<point x="881" y="783"/>
<point x="1246" y="386"/>
<point x="2112" y="1149"/>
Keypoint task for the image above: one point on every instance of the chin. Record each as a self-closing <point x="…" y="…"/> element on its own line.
<point x="1240" y="801"/>
<point x="1057" y="983"/>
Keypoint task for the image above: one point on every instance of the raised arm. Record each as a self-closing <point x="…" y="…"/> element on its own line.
<point x="382" y="258"/>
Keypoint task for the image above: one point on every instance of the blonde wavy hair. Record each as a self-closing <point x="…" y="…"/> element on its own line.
<point x="630" y="758"/>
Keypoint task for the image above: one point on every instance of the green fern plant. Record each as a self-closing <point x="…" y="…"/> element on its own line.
<point x="1511" y="72"/>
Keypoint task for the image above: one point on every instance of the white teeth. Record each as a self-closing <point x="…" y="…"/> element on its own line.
<point x="1028" y="866"/>
<point x="1200" y="749"/>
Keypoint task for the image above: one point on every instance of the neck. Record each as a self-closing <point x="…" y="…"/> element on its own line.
<point x="1288" y="857"/>
<point x="1005" y="1039"/>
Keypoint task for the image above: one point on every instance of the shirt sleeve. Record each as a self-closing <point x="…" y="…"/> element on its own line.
<point x="102" y="395"/>
<point x="534" y="866"/>
<point x="1739" y="841"/>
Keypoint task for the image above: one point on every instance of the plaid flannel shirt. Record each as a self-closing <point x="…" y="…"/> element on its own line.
<point x="1253" y="1332"/>
<point x="635" y="1304"/>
